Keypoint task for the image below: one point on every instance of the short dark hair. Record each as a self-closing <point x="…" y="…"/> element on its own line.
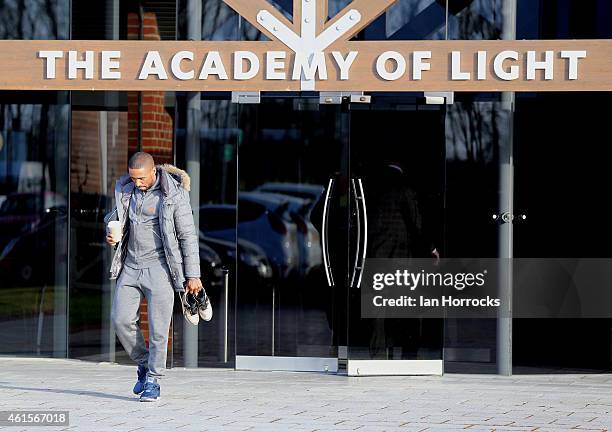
<point x="141" y="160"/>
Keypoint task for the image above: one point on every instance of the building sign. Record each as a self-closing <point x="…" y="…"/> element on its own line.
<point x="310" y="53"/>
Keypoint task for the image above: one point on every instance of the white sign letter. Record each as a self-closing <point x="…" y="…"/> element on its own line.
<point x="213" y="65"/>
<point x="273" y="65"/>
<point x="153" y="66"/>
<point x="309" y="68"/>
<point x="108" y="63"/>
<point x="381" y="65"/>
<point x="498" y="66"/>
<point x="548" y="65"/>
<point x="50" y="57"/>
<point x="418" y="66"/>
<point x="344" y="63"/>
<point x="253" y="70"/>
<point x="482" y="65"/>
<point x="572" y="58"/>
<point x="74" y="64"/>
<point x="175" y="65"/>
<point x="456" y="74"/>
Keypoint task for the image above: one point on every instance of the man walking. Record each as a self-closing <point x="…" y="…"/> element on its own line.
<point x="156" y="255"/>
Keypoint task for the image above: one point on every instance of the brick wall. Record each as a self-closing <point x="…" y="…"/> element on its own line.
<point x="86" y="159"/>
<point x="156" y="123"/>
<point x="157" y="127"/>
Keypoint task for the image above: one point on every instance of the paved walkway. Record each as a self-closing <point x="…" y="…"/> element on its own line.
<point x="99" y="399"/>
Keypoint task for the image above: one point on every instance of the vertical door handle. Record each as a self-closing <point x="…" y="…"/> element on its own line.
<point x="362" y="232"/>
<point x="365" y="231"/>
<point x="358" y="242"/>
<point x="324" y="238"/>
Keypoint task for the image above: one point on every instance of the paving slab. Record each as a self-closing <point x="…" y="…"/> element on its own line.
<point x="98" y="397"/>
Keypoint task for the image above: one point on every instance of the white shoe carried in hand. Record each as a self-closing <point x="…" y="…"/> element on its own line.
<point x="190" y="308"/>
<point x="205" y="309"/>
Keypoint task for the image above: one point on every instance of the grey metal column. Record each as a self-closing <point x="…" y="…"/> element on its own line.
<point x="62" y="236"/>
<point x="192" y="156"/>
<point x="107" y="334"/>
<point x="111" y="99"/>
<point x="506" y="205"/>
<point x="108" y="122"/>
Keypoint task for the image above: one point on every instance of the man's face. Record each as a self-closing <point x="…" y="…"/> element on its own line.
<point x="143" y="178"/>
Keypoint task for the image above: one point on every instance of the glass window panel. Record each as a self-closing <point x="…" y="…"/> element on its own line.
<point x="99" y="154"/>
<point x="562" y="174"/>
<point x="207" y="138"/>
<point x="409" y="20"/>
<point x="475" y="19"/>
<point x="564" y="19"/>
<point x="218" y="21"/>
<point x="34" y="19"/>
<point x="33" y="216"/>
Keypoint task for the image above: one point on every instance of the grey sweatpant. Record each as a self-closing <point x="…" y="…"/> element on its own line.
<point x="155" y="285"/>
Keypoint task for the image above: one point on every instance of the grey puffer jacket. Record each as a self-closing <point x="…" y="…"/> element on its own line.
<point x="178" y="231"/>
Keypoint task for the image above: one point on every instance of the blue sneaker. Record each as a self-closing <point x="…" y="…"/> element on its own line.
<point x="151" y="391"/>
<point x="142" y="379"/>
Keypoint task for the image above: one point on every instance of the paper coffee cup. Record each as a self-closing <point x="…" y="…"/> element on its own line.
<point x="114" y="229"/>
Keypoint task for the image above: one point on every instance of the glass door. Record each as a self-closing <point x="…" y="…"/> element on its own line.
<point x="562" y="182"/>
<point x="292" y="232"/>
<point x="397" y="187"/>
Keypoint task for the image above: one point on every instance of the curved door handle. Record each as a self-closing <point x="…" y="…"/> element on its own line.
<point x="358" y="242"/>
<point x="324" y="239"/>
<point x="362" y="232"/>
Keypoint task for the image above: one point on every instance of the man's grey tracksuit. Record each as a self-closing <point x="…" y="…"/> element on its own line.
<point x="146" y="268"/>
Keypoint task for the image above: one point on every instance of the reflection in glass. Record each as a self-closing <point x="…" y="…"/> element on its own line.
<point x="212" y="125"/>
<point x="476" y="129"/>
<point x="285" y="306"/>
<point x="409" y="20"/>
<point x="564" y="19"/>
<point x="33" y="216"/>
<point x="403" y="182"/>
<point x="335" y="6"/>
<point x="476" y="19"/>
<point x="219" y="21"/>
<point x="34" y="19"/>
<point x="562" y="182"/>
<point x="98" y="157"/>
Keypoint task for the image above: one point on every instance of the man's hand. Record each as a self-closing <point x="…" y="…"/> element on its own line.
<point x="109" y="240"/>
<point x="193" y="285"/>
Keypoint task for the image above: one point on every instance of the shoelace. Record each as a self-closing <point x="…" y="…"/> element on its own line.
<point x="192" y="303"/>
<point x="150" y="386"/>
<point x="202" y="302"/>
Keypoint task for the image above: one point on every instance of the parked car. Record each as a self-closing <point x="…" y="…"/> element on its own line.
<point x="310" y="235"/>
<point x="300" y="190"/>
<point x="211" y="265"/>
<point x="250" y="258"/>
<point x="22" y="212"/>
<point x="263" y="221"/>
<point x="309" y="240"/>
<point x="278" y="227"/>
<point x="29" y="257"/>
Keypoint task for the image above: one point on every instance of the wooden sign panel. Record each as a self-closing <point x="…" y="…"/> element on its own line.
<point x="268" y="66"/>
<point x="309" y="54"/>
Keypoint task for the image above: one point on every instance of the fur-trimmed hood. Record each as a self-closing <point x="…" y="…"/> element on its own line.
<point x="172" y="178"/>
<point x="178" y="174"/>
